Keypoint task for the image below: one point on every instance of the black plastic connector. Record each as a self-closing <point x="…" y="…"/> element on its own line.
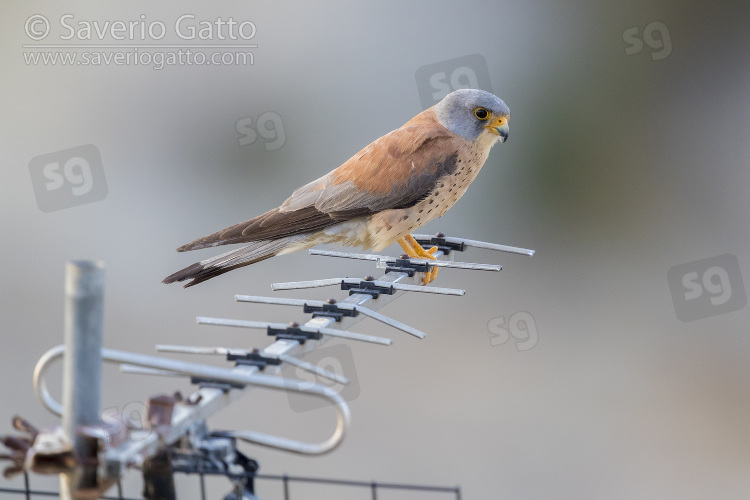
<point x="215" y="384"/>
<point x="330" y="310"/>
<point x="253" y="359"/>
<point x="293" y="332"/>
<point x="444" y="246"/>
<point x="406" y="266"/>
<point x="368" y="287"/>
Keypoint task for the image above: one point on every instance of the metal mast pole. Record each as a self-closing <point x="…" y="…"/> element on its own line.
<point x="84" y="307"/>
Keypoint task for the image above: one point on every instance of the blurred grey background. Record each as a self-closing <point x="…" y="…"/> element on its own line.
<point x="628" y="155"/>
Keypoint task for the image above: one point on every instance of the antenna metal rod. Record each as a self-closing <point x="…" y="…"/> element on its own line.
<point x="480" y="244"/>
<point x="241" y="323"/>
<point x="314" y="369"/>
<point x="342" y="305"/>
<point x="191" y="349"/>
<point x="139" y="370"/>
<point x="296" y="285"/>
<point x="82" y="372"/>
<point x="385" y="258"/>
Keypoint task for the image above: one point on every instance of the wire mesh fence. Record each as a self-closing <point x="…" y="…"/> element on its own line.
<point x="281" y="484"/>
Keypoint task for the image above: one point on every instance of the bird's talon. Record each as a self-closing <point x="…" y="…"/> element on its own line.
<point x="430" y="275"/>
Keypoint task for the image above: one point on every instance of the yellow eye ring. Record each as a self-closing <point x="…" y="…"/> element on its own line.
<point x="482" y="114"/>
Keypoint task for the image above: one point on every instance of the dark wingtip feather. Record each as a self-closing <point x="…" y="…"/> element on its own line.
<point x="183" y="274"/>
<point x="202" y="271"/>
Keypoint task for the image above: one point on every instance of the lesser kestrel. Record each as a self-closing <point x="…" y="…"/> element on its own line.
<point x="379" y="196"/>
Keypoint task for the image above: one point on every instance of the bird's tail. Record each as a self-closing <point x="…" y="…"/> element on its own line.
<point x="250" y="254"/>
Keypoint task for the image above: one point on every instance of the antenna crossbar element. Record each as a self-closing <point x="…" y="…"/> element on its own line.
<point x="338" y="305"/>
<point x="314" y="369"/>
<point x="265" y="325"/>
<point x="457" y="242"/>
<point x="234" y="354"/>
<point x="139" y="370"/>
<point x="356" y="282"/>
<point x="386" y="259"/>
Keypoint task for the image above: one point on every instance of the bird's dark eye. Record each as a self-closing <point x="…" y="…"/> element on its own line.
<point x="481" y="113"/>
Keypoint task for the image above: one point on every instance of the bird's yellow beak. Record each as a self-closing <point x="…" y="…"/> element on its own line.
<point x="499" y="126"/>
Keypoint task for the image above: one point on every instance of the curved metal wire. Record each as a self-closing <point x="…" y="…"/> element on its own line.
<point x="343" y="416"/>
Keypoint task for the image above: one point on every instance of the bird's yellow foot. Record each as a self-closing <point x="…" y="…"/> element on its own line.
<point x="413" y="249"/>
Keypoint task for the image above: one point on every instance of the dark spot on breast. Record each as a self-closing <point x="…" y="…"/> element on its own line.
<point x="432" y="201"/>
<point x="404" y="217"/>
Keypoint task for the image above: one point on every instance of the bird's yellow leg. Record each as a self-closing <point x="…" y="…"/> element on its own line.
<point x="408" y="250"/>
<point x="413" y="249"/>
<point x="425" y="254"/>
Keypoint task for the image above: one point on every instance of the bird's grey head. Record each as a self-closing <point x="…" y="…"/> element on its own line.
<point x="471" y="112"/>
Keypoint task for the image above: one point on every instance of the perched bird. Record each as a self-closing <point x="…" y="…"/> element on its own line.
<point x="379" y="196"/>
